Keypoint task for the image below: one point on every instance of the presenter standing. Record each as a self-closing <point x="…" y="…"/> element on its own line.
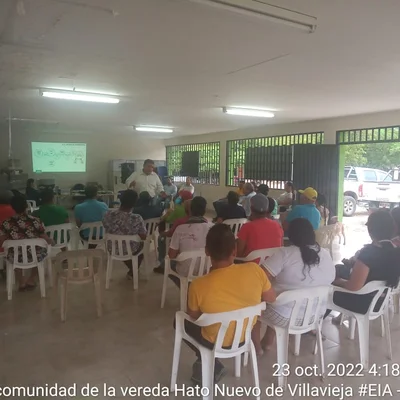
<point x="146" y="181"/>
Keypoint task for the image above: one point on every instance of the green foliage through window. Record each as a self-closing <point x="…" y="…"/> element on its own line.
<point x="209" y="162"/>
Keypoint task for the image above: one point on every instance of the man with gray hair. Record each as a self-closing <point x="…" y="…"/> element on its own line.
<point x="248" y="190"/>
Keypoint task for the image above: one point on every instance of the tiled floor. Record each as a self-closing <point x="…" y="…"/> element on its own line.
<point x="131" y="345"/>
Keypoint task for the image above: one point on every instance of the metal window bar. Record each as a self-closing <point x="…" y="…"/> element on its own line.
<point x="384" y="134"/>
<point x="209" y="162"/>
<point x="267" y="160"/>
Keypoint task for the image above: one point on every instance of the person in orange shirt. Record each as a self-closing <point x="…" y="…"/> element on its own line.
<point x="240" y="191"/>
<point x="227" y="287"/>
<point x="6" y="211"/>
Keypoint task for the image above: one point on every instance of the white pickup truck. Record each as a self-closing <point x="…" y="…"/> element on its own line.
<point x="369" y="186"/>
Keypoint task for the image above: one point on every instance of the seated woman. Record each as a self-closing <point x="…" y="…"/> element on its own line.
<point x="231" y="209"/>
<point x="23" y="226"/>
<point x="378" y="261"/>
<point x="302" y="265"/>
<point x="323" y="209"/>
<point x="285" y="200"/>
<point x="395" y="213"/>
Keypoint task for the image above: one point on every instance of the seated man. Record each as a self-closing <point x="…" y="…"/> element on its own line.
<point x="49" y="213"/>
<point x="179" y="210"/>
<point x="227" y="287"/>
<point x="91" y="210"/>
<point x="162" y="250"/>
<point x="190" y="236"/>
<point x="147" y="210"/>
<point x="260" y="232"/>
<point x="264" y="189"/>
<point x="249" y="192"/>
<point x="239" y="190"/>
<point x="231" y="209"/>
<point x="23" y="226"/>
<point x="170" y="190"/>
<point x="123" y="222"/>
<point x="307" y="209"/>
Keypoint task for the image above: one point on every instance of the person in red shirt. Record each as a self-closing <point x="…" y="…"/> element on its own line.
<point x="6" y="211"/>
<point x="260" y="232"/>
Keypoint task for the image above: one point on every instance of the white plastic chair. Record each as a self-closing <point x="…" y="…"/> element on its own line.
<point x="61" y="235"/>
<point x="96" y="233"/>
<point x="262" y="255"/>
<point x="200" y="265"/>
<point x="2" y="260"/>
<point x="235" y="224"/>
<point x="84" y="266"/>
<point x="121" y="250"/>
<point x="362" y="320"/>
<point x="242" y="319"/>
<point x="25" y="247"/>
<point x="152" y="235"/>
<point x="32" y="205"/>
<point x="309" y="306"/>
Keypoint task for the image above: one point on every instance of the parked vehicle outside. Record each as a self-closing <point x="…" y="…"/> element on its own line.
<point x="361" y="186"/>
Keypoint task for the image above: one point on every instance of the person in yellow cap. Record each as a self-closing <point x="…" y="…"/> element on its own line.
<point x="306" y="209"/>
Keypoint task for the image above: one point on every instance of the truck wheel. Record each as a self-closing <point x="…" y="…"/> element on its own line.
<point x="349" y="206"/>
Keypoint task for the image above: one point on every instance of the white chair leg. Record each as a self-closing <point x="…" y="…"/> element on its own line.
<point x="42" y="281"/>
<point x="63" y="298"/>
<point x="282" y="345"/>
<point x="109" y="271"/>
<point x="238" y="360"/>
<point x="297" y="341"/>
<point x="10" y="280"/>
<point x="183" y="294"/>
<point x="382" y="319"/>
<point x="246" y="359"/>
<point x="254" y="367"/>
<point x="388" y="334"/>
<point x="319" y="345"/>
<point x="207" y="373"/>
<point x="49" y="263"/>
<point x="363" y="337"/>
<point x="164" y="288"/>
<point x="175" y="360"/>
<point x="97" y="290"/>
<point x="352" y="328"/>
<point x="396" y="298"/>
<point x="135" y="271"/>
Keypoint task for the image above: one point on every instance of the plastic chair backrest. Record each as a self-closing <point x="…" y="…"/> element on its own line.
<point x="380" y="287"/>
<point x="261" y="254"/>
<point x="151" y="225"/>
<point x="26" y="248"/>
<point x="309" y="306"/>
<point x="32" y="205"/>
<point x="242" y="320"/>
<point x="200" y="263"/>
<point x="235" y="224"/>
<point x="81" y="263"/>
<point x="119" y="246"/>
<point x="95" y="231"/>
<point x="61" y="234"/>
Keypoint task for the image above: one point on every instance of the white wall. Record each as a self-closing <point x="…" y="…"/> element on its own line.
<point x="101" y="148"/>
<point x="328" y="126"/>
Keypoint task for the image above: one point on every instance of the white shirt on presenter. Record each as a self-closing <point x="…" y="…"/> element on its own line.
<point x="146" y="180"/>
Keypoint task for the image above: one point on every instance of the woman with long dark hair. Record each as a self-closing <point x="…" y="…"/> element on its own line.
<point x="304" y="264"/>
<point x="378" y="261"/>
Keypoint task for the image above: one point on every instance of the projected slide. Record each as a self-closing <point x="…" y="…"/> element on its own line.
<point x="58" y="157"/>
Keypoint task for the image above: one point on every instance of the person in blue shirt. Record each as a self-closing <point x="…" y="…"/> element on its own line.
<point x="91" y="210"/>
<point x="146" y="208"/>
<point x="307" y="209"/>
<point x="170" y="192"/>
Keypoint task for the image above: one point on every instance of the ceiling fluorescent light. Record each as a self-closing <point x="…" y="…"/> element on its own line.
<point x="248" y="112"/>
<point x="79" y="96"/>
<point x="258" y="8"/>
<point x="145" y="128"/>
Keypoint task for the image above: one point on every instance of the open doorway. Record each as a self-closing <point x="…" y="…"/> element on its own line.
<point x="370" y="160"/>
